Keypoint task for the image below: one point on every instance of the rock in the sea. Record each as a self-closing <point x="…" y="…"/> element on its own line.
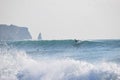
<point x="12" y="32"/>
<point x="39" y="36"/>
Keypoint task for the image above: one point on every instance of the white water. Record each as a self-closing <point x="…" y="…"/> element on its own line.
<point x="17" y="65"/>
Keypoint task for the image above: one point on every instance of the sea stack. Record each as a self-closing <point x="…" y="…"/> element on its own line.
<point x="39" y="36"/>
<point x="13" y="32"/>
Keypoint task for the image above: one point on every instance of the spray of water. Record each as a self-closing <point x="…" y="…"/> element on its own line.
<point x="17" y="65"/>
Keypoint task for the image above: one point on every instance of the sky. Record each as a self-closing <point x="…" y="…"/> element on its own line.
<point x="64" y="19"/>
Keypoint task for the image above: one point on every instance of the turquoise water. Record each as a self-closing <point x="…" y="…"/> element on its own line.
<point x="60" y="60"/>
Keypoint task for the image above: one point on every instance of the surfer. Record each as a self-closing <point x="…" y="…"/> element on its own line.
<point x="76" y="40"/>
<point x="76" y="43"/>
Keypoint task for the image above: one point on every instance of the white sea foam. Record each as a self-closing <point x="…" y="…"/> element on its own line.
<point x="17" y="65"/>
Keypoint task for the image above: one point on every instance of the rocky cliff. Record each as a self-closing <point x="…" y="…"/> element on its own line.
<point x="12" y="32"/>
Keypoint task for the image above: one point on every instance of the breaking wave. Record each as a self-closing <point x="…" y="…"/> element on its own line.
<point x="17" y="65"/>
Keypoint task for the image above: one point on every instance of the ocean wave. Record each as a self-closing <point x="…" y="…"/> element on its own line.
<point x="65" y="44"/>
<point x="17" y="65"/>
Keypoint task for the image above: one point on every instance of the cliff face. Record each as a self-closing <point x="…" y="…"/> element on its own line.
<point x="12" y="32"/>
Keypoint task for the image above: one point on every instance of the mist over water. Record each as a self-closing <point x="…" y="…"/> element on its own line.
<point x="60" y="60"/>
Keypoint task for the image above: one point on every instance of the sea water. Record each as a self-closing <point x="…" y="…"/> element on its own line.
<point x="60" y="60"/>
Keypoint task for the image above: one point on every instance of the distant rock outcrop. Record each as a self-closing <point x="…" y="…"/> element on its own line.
<point x="39" y="36"/>
<point x="12" y="32"/>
